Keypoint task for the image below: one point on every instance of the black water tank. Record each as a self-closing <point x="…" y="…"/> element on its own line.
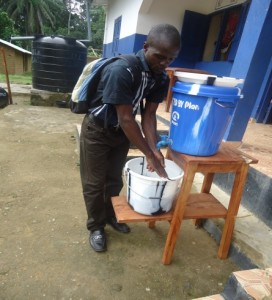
<point x="57" y="62"/>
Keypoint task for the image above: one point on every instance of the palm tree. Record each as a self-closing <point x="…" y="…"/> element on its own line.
<point x="73" y="7"/>
<point x="77" y="6"/>
<point x="31" y="14"/>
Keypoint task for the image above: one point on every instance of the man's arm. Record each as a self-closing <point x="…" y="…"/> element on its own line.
<point x="149" y="126"/>
<point x="133" y="133"/>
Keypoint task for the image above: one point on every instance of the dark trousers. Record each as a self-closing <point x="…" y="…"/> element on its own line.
<point x="103" y="154"/>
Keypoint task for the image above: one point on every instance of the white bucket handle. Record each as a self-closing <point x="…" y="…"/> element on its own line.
<point x="222" y="105"/>
<point x="142" y="195"/>
<point x="125" y="174"/>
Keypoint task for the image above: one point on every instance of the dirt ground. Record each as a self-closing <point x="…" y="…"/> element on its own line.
<point x="44" y="249"/>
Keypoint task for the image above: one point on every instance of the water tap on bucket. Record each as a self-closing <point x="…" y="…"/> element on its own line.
<point x="164" y="142"/>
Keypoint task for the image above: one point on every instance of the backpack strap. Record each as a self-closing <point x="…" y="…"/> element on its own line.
<point x="135" y="68"/>
<point x="87" y="83"/>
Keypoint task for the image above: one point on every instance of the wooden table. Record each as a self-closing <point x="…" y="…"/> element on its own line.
<point x="172" y="79"/>
<point x="197" y="206"/>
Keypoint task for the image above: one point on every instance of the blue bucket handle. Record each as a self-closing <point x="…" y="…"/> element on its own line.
<point x="223" y="104"/>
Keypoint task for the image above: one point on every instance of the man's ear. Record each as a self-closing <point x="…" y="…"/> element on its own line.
<point x="145" y="46"/>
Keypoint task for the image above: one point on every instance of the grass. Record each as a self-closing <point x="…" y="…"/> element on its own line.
<point x="25" y="78"/>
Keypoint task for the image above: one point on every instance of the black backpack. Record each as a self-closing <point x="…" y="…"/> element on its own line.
<point x="88" y="81"/>
<point x="4" y="101"/>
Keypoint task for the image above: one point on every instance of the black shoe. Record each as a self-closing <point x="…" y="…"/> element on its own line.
<point x="121" y="227"/>
<point x="98" y="240"/>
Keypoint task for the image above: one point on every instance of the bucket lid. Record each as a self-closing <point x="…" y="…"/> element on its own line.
<point x="209" y="79"/>
<point x="207" y="90"/>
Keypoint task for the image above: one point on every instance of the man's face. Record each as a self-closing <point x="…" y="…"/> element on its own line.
<point x="159" y="57"/>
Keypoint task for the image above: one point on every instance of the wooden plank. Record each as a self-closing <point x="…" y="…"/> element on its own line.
<point x="198" y="206"/>
<point x="204" y="206"/>
<point x="218" y="168"/>
<point x="225" y="156"/>
<point x="125" y="214"/>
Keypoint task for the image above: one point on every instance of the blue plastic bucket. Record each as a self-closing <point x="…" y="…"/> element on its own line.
<point x="200" y="116"/>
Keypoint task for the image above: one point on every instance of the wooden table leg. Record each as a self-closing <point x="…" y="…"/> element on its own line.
<point x="206" y="187"/>
<point x="151" y="224"/>
<point x="207" y="182"/>
<point x="168" y="101"/>
<point x="170" y="93"/>
<point x="189" y="174"/>
<point x="235" y="199"/>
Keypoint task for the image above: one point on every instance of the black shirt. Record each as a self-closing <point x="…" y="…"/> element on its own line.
<point x="117" y="86"/>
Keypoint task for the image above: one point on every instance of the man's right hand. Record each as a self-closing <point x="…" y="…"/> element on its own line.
<point x="154" y="165"/>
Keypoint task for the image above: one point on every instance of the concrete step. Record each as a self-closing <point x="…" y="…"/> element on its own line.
<point x="252" y="238"/>
<point x="246" y="285"/>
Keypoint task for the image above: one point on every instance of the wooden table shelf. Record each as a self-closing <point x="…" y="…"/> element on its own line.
<point x="125" y="214"/>
<point x="203" y="206"/>
<point x="197" y="206"/>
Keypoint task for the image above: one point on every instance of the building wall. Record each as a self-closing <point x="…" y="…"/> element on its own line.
<point x="138" y="16"/>
<point x="10" y="57"/>
<point x="29" y="62"/>
<point x="129" y="12"/>
<point x="16" y="64"/>
<point x="172" y="12"/>
<point x="251" y="61"/>
<point x="18" y="61"/>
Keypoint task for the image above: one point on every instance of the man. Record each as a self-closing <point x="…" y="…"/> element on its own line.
<point x="108" y="129"/>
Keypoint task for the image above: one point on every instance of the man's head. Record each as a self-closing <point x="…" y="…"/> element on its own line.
<point x="161" y="47"/>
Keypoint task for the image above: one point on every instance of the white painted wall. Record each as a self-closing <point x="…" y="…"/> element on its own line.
<point x="138" y="16"/>
<point x="172" y="12"/>
<point x="129" y="10"/>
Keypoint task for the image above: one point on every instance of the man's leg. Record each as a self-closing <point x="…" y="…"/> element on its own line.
<point x="114" y="182"/>
<point x="93" y="167"/>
